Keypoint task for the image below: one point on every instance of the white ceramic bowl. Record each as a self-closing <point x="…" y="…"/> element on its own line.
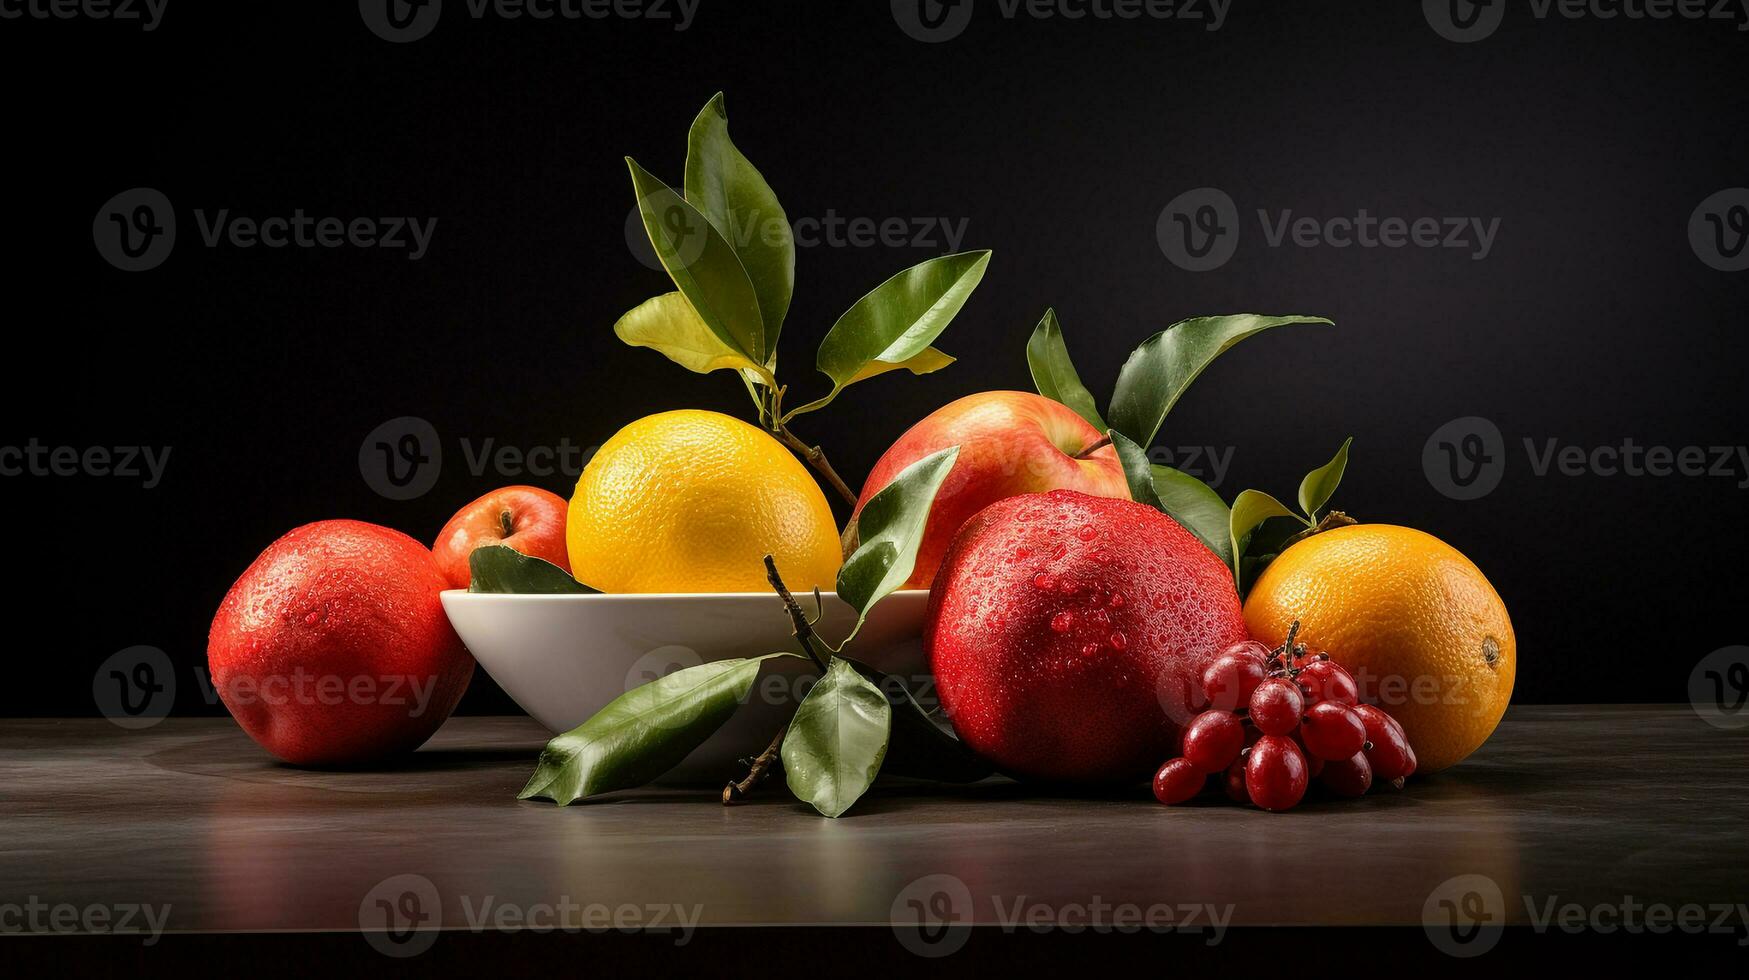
<point x="564" y="657"/>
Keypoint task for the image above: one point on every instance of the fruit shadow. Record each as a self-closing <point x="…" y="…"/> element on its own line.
<point x="425" y="760"/>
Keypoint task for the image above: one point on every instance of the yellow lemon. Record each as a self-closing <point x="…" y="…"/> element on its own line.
<point x="693" y="501"/>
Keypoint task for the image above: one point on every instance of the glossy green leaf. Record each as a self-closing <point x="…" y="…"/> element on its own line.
<point x="1250" y="509"/>
<point x="896" y="323"/>
<point x="731" y="193"/>
<point x="919" y="747"/>
<point x="1180" y="496"/>
<point x="1266" y="544"/>
<point x="1158" y="372"/>
<point x="890" y="530"/>
<point x="702" y="264"/>
<point x="643" y="733"/>
<point x="1320" y="484"/>
<point x="1054" y="374"/>
<point x="837" y="740"/>
<point x="502" y="569"/>
<point x="669" y="325"/>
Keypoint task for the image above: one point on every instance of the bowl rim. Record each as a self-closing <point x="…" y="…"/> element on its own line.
<point x="647" y="596"/>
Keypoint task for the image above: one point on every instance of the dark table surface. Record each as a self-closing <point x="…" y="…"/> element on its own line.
<point x="1594" y="805"/>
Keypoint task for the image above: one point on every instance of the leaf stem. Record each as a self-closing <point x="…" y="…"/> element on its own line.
<point x="804" y="630"/>
<point x="816" y="457"/>
<point x="757" y="770"/>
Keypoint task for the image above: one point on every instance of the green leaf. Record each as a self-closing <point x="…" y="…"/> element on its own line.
<point x="502" y="569"/>
<point x="1178" y="495"/>
<point x="1250" y="509"/>
<point x="890" y="530"/>
<point x="703" y="264"/>
<point x="919" y="747"/>
<point x="896" y="323"/>
<point x="643" y="733"/>
<point x="1265" y="545"/>
<point x="1053" y="373"/>
<point x="1320" y="484"/>
<point x="669" y="325"/>
<point x="837" y="740"/>
<point x="730" y="192"/>
<point x="1158" y="372"/>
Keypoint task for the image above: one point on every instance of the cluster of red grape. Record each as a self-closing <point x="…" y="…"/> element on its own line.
<point x="1276" y="719"/>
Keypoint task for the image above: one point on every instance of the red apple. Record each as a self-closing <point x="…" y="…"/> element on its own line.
<point x="1011" y="442"/>
<point x="333" y="647"/>
<point x="1068" y="635"/>
<point x="527" y="519"/>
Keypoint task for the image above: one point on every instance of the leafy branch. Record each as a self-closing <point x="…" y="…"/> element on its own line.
<point x="727" y="245"/>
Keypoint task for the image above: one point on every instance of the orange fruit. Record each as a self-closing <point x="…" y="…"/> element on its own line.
<point x="693" y="501"/>
<point x="1418" y="625"/>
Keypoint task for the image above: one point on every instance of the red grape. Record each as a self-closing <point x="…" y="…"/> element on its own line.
<point x="1213" y="740"/>
<point x="1178" y="781"/>
<point x="1234" y="782"/>
<point x="1332" y="730"/>
<point x="1229" y="681"/>
<point x="1387" y="748"/>
<point x="1348" y="777"/>
<point x="1325" y="680"/>
<point x="1275" y="773"/>
<point x="1276" y="706"/>
<point x="1249" y="648"/>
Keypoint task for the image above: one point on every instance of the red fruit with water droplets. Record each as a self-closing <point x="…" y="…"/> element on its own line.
<point x="1102" y="699"/>
<point x="333" y="647"/>
<point x="1177" y="781"/>
<point x="1275" y="773"/>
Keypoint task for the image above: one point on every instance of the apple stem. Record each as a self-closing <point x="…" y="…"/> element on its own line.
<point x="506" y="523"/>
<point x="1096" y="447"/>
<point x="757" y="770"/>
<point x="804" y="630"/>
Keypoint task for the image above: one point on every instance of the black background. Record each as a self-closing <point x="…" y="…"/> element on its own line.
<point x="1058" y="143"/>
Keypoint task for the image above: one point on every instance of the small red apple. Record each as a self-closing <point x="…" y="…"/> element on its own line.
<point x="1011" y="442"/>
<point x="1068" y="634"/>
<point x="527" y="519"/>
<point x="333" y="647"/>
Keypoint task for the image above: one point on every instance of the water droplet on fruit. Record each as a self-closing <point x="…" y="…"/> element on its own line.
<point x="1063" y="622"/>
<point x="1070" y="586"/>
<point x="1117" y="600"/>
<point x="1087" y="533"/>
<point x="1118" y="640"/>
<point x="1061" y="552"/>
<point x="1102" y="557"/>
<point x="1044" y="580"/>
<point x="1022" y="553"/>
<point x="1090" y="650"/>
